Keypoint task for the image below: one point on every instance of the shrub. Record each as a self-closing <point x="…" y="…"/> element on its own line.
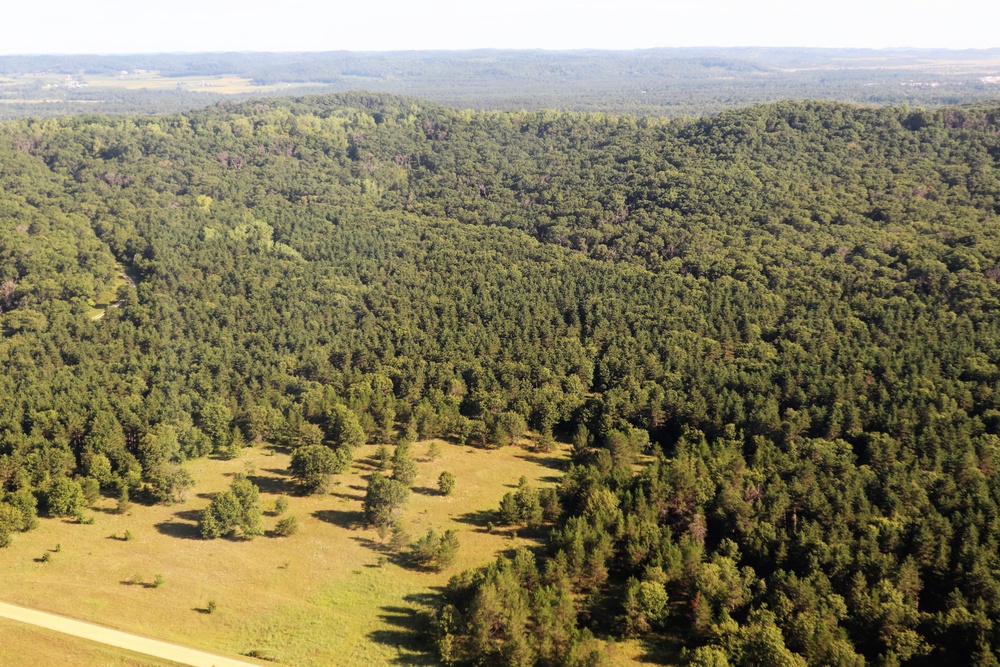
<point x="286" y="527"/>
<point x="446" y="483"/>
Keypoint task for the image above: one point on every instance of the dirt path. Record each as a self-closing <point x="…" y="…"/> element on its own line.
<point x="164" y="650"/>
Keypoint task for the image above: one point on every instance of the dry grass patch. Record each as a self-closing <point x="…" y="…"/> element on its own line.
<point x="320" y="597"/>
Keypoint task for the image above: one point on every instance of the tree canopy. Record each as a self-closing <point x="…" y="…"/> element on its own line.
<point x="772" y="336"/>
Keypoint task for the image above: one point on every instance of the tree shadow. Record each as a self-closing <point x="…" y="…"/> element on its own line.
<point x="278" y="485"/>
<point x="426" y="491"/>
<point x="184" y="531"/>
<point x="347" y="496"/>
<point x="202" y="610"/>
<point x="188" y="515"/>
<point x="660" y="650"/>
<point x="343" y="518"/>
<point x="106" y="510"/>
<point x="480" y="518"/>
<point x="546" y="460"/>
<point x="405" y="633"/>
<point x="369" y="543"/>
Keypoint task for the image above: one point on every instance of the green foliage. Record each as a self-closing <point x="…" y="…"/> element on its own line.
<point x="404" y="468"/>
<point x="645" y="605"/>
<point x="508" y="428"/>
<point x="343" y="428"/>
<point x="437" y="552"/>
<point x="383" y="458"/>
<point x="64" y="497"/>
<point x="384" y="500"/>
<point x="286" y="527"/>
<point x="236" y="508"/>
<point x="433" y="450"/>
<point x="772" y="334"/>
<point x="523" y="507"/>
<point x="312" y="466"/>
<point x="446" y="483"/>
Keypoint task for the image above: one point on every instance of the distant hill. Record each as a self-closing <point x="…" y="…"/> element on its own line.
<point x="671" y="82"/>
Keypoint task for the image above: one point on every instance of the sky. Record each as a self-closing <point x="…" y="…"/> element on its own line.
<point x="139" y="26"/>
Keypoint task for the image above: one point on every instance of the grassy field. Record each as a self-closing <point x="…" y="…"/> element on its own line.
<point x="100" y="304"/>
<point x="320" y="597"/>
<point x="27" y="646"/>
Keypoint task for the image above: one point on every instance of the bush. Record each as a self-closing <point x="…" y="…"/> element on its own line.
<point x="286" y="527"/>
<point x="157" y="581"/>
<point x="446" y="483"/>
<point x="281" y="505"/>
<point x="124" y="504"/>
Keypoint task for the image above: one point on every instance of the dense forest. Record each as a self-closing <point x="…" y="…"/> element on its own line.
<point x="771" y="336"/>
<point x="660" y="82"/>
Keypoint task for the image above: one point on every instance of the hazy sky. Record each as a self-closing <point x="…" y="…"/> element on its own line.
<point x="133" y="26"/>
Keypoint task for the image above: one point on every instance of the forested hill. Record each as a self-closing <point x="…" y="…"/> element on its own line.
<point x="772" y="336"/>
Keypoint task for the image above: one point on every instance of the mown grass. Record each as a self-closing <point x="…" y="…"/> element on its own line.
<point x="320" y="597"/>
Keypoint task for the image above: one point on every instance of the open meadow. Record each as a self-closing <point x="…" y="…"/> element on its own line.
<point x="28" y="646"/>
<point x="331" y="594"/>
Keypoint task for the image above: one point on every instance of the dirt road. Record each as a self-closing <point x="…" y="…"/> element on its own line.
<point x="158" y="649"/>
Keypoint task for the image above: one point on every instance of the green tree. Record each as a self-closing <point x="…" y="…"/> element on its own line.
<point x="404" y="468"/>
<point x="64" y="497"/>
<point x="343" y="428"/>
<point x="235" y="508"/>
<point x="384" y="499"/>
<point x="508" y="428"/>
<point x="312" y="466"/>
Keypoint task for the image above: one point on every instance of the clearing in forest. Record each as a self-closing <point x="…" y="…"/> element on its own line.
<point x="331" y="594"/>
